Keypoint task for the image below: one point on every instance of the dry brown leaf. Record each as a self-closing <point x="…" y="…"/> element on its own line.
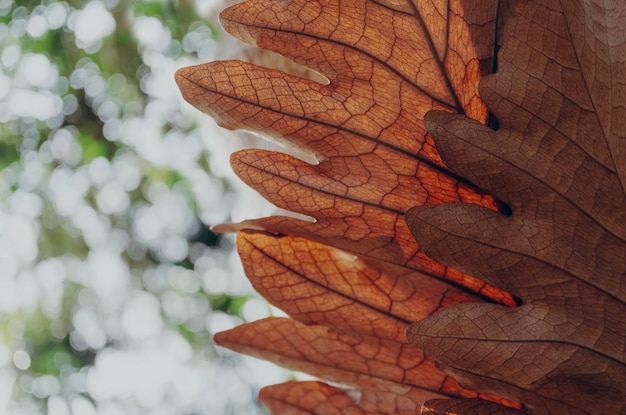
<point x="465" y="407"/>
<point x="295" y="398"/>
<point x="317" y="284"/>
<point x="321" y="399"/>
<point x="556" y="160"/>
<point x="365" y="126"/>
<point x="391" y="370"/>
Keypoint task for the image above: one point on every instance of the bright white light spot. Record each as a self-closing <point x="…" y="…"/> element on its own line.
<point x="64" y="147"/>
<point x="112" y="198"/>
<point x="207" y="49"/>
<point x="27" y="291"/>
<point x="5" y="86"/>
<point x="148" y="225"/>
<point x="183" y="279"/>
<point x="156" y="191"/>
<point x="127" y="172"/>
<point x="58" y="329"/>
<point x="141" y="318"/>
<point x="263" y="372"/>
<point x="149" y="31"/>
<point x="5" y="355"/>
<point x="149" y="376"/>
<point x="23" y="236"/>
<point x="100" y="170"/>
<point x="21" y="360"/>
<point x="82" y="406"/>
<point x="204" y="7"/>
<point x="68" y="190"/>
<point x="160" y="86"/>
<point x="50" y="273"/>
<point x="219" y="321"/>
<point x="70" y="104"/>
<point x="8" y="301"/>
<point x="95" y="86"/>
<point x="92" y="24"/>
<point x="111" y="130"/>
<point x="56" y="15"/>
<point x="58" y="406"/>
<point x="145" y="137"/>
<point x="108" y="275"/>
<point x="39" y="105"/>
<point x="11" y="55"/>
<point x="26" y="204"/>
<point x="45" y="386"/>
<point x="255" y="309"/>
<point x="38" y="71"/>
<point x="175" y="306"/>
<point x="215" y="281"/>
<point x="89" y="328"/>
<point x="96" y="231"/>
<point x="175" y="248"/>
<point x="85" y="217"/>
<point x="36" y="26"/>
<point x="176" y="346"/>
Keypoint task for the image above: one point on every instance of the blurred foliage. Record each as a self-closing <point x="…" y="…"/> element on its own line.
<point x="110" y="186"/>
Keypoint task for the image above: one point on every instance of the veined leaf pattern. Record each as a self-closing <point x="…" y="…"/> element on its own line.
<point x="549" y="233"/>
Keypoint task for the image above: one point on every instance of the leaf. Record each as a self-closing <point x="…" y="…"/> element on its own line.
<point x="317" y="284"/>
<point x="317" y="398"/>
<point x="556" y="165"/>
<point x="354" y="298"/>
<point x="557" y="161"/>
<point x="320" y="399"/>
<point x="465" y="407"/>
<point x="365" y="126"/>
<point x="387" y="369"/>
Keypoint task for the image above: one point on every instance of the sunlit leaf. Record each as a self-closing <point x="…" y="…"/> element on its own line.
<point x="547" y="230"/>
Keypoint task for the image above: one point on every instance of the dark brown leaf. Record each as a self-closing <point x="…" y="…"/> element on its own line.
<point x="563" y="250"/>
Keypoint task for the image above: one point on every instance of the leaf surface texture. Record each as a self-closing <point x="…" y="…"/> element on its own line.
<point x="508" y="267"/>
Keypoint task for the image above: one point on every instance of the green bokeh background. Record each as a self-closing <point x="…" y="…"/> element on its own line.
<point x="111" y="282"/>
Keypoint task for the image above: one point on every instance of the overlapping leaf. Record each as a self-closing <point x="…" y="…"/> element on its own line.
<point x="387" y="66"/>
<point x="386" y="370"/>
<point x="375" y="161"/>
<point x="558" y="161"/>
<point x="319" y="398"/>
<point x="367" y="308"/>
<point x="388" y="63"/>
<point x="317" y="284"/>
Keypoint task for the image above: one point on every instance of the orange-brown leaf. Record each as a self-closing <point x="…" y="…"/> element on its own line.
<point x="559" y="97"/>
<point x="354" y="222"/>
<point x="297" y="398"/>
<point x="466" y="407"/>
<point x="317" y="284"/>
<point x="365" y="126"/>
<point x="363" y="362"/>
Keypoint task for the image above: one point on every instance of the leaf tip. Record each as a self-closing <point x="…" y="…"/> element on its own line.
<point x="182" y="75"/>
<point x="221" y="338"/>
<point x="231" y="227"/>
